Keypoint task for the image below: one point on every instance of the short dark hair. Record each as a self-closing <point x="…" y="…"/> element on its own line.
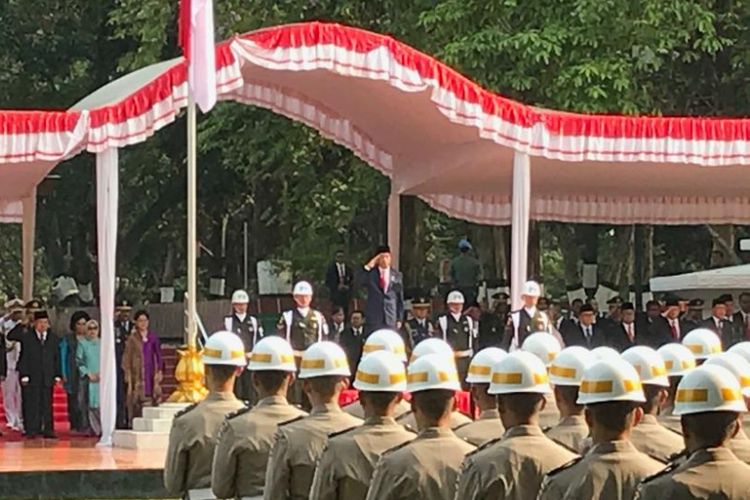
<point x="220" y="373"/>
<point x="357" y="311"/>
<point x="139" y="313"/>
<point x="336" y="310"/>
<point x="713" y="428"/>
<point x="379" y="400"/>
<point x="576" y="301"/>
<point x="569" y="394"/>
<point x="652" y="397"/>
<point x="614" y="416"/>
<point x="325" y="386"/>
<point x="270" y="380"/>
<point x="434" y="403"/>
<point x="521" y="403"/>
<point x="76" y="317"/>
<point x="652" y="303"/>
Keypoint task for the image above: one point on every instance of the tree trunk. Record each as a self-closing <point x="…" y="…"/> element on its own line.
<point x="648" y="253"/>
<point x="723" y="251"/>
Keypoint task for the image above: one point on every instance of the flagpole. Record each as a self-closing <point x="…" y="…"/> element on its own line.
<point x="192" y="237"/>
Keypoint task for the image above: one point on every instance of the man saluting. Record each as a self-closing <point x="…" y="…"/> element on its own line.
<point x="385" y="292"/>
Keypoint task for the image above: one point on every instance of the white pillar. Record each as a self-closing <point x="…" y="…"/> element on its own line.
<point x="27" y="244"/>
<point x="192" y="231"/>
<point x="519" y="251"/>
<point x="394" y="224"/>
<point x="107" y="193"/>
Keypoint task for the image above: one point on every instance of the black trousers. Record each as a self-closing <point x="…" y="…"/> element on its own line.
<point x="37" y="409"/>
<point x="121" y="420"/>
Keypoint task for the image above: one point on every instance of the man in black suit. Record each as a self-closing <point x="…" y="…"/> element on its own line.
<point x="587" y="333"/>
<point x="39" y="369"/>
<point x="385" y="292"/>
<point x="742" y="317"/>
<point x="339" y="282"/>
<point x="123" y="326"/>
<point x="631" y="330"/>
<point x="669" y="327"/>
<point x="717" y="323"/>
<point x="353" y="338"/>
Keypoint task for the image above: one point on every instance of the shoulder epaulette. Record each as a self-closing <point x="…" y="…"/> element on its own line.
<point x="185" y="410"/>
<point x="239" y="412"/>
<point x="409" y="428"/>
<point x="462" y="426"/>
<point x="565" y="466"/>
<point x="404" y="415"/>
<point x="281" y="424"/>
<point x="658" y="459"/>
<point x="669" y="468"/>
<point x="339" y="433"/>
<point x="547" y="429"/>
<point x="678" y="456"/>
<point x="484" y="446"/>
<point x="396" y="448"/>
<point x="672" y="430"/>
<point x="563" y="445"/>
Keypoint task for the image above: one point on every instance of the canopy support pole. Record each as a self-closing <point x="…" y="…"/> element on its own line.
<point x="107" y="194"/>
<point x="521" y="206"/>
<point x="192" y="233"/>
<point x="394" y="224"/>
<point x="27" y="244"/>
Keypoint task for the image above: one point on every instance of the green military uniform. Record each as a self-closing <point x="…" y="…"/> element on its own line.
<point x="192" y="441"/>
<point x="355" y="409"/>
<point x="297" y="448"/>
<point x="346" y="466"/>
<point x="486" y="428"/>
<point x="245" y="440"/>
<point x="710" y="473"/>
<point x="425" y="468"/>
<point x="410" y="422"/>
<point x="512" y="467"/>
<point x="301" y="332"/>
<point x="609" y="470"/>
<point x="571" y="432"/>
<point x="465" y="273"/>
<point x="655" y="440"/>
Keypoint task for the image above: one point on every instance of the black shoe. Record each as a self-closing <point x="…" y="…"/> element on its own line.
<point x="32" y="436"/>
<point x="49" y="435"/>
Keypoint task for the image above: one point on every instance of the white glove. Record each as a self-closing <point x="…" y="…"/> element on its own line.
<point x="24" y="380"/>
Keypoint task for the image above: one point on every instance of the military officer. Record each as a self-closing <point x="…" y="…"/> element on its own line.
<point x="419" y="327"/>
<point x="246" y="436"/>
<point x="527" y="320"/>
<point x="678" y="361"/>
<point x="566" y="373"/>
<point x="249" y="330"/>
<point x="194" y="434"/>
<point x="428" y="466"/>
<point x="513" y="467"/>
<point x="649" y="436"/>
<point x="346" y="466"/>
<point x="613" y="467"/>
<point x="300" y="443"/>
<point x="123" y="326"/>
<point x="382" y="340"/>
<point x="710" y="405"/>
<point x="545" y="347"/>
<point x="459" y="330"/>
<point x="301" y="327"/>
<point x="694" y="316"/>
<point x="488" y="426"/>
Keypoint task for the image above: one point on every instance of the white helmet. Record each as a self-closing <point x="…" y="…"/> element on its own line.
<point x="432" y="346"/>
<point x="480" y="369"/>
<point x="610" y="380"/>
<point x="736" y="365"/>
<point x="381" y="371"/>
<point x="302" y="288"/>
<point x="385" y="340"/>
<point x="324" y="359"/>
<point x="272" y="353"/>
<point x="455" y="297"/>
<point x="708" y="388"/>
<point x="517" y="372"/>
<point x="743" y="349"/>
<point x="240" y="297"/>
<point x="604" y="353"/>
<point x="702" y="342"/>
<point x="224" y="348"/>
<point x="569" y="365"/>
<point x="531" y="289"/>
<point x="432" y="371"/>
<point x="678" y="359"/>
<point x="543" y="345"/>
<point x="649" y="365"/>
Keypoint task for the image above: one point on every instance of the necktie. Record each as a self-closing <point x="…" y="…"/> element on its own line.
<point x="631" y="335"/>
<point x="673" y="327"/>
<point x="747" y="326"/>
<point x="382" y="280"/>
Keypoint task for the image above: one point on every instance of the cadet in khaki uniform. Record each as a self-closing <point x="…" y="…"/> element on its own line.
<point x="300" y="443"/>
<point x="443" y="349"/>
<point x="246" y="437"/>
<point x="613" y="467"/>
<point x="678" y="360"/>
<point x="346" y="466"/>
<point x="743" y="350"/>
<point x="488" y="426"/>
<point x="513" y="467"/>
<point x="195" y="430"/>
<point x="428" y="466"/>
<point x="710" y="404"/>
<point x="649" y="436"/>
<point x="546" y="347"/>
<point x="566" y="373"/>
<point x="382" y="340"/>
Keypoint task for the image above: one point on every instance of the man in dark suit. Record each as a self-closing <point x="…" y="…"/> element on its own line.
<point x="717" y="323"/>
<point x="631" y="330"/>
<point x="39" y="369"/>
<point x="588" y="333"/>
<point x="668" y="327"/>
<point x="123" y="326"/>
<point x="339" y="282"/>
<point x="742" y="317"/>
<point x="353" y="338"/>
<point x="385" y="292"/>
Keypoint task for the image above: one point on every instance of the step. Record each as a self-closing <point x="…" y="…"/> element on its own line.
<point x="152" y="424"/>
<point x="138" y="440"/>
<point x="165" y="410"/>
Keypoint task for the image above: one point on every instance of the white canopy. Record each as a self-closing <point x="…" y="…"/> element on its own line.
<point x="726" y="279"/>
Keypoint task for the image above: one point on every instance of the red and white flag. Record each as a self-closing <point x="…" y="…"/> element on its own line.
<point x="196" y="37"/>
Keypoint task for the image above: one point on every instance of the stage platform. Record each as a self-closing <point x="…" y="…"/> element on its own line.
<point x="75" y="468"/>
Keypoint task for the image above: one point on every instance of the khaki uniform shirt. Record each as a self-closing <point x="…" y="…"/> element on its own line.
<point x="192" y="441"/>
<point x="550" y="415"/>
<point x="298" y="447"/>
<point x="245" y="440"/>
<point x="355" y="409"/>
<point x="487" y="427"/>
<point x="740" y="446"/>
<point x="711" y="473"/>
<point x="671" y="422"/>
<point x="512" y="467"/>
<point x="655" y="440"/>
<point x="410" y="422"/>
<point x="425" y="468"/>
<point x="571" y="432"/>
<point x="345" y="468"/>
<point x="610" y="470"/>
